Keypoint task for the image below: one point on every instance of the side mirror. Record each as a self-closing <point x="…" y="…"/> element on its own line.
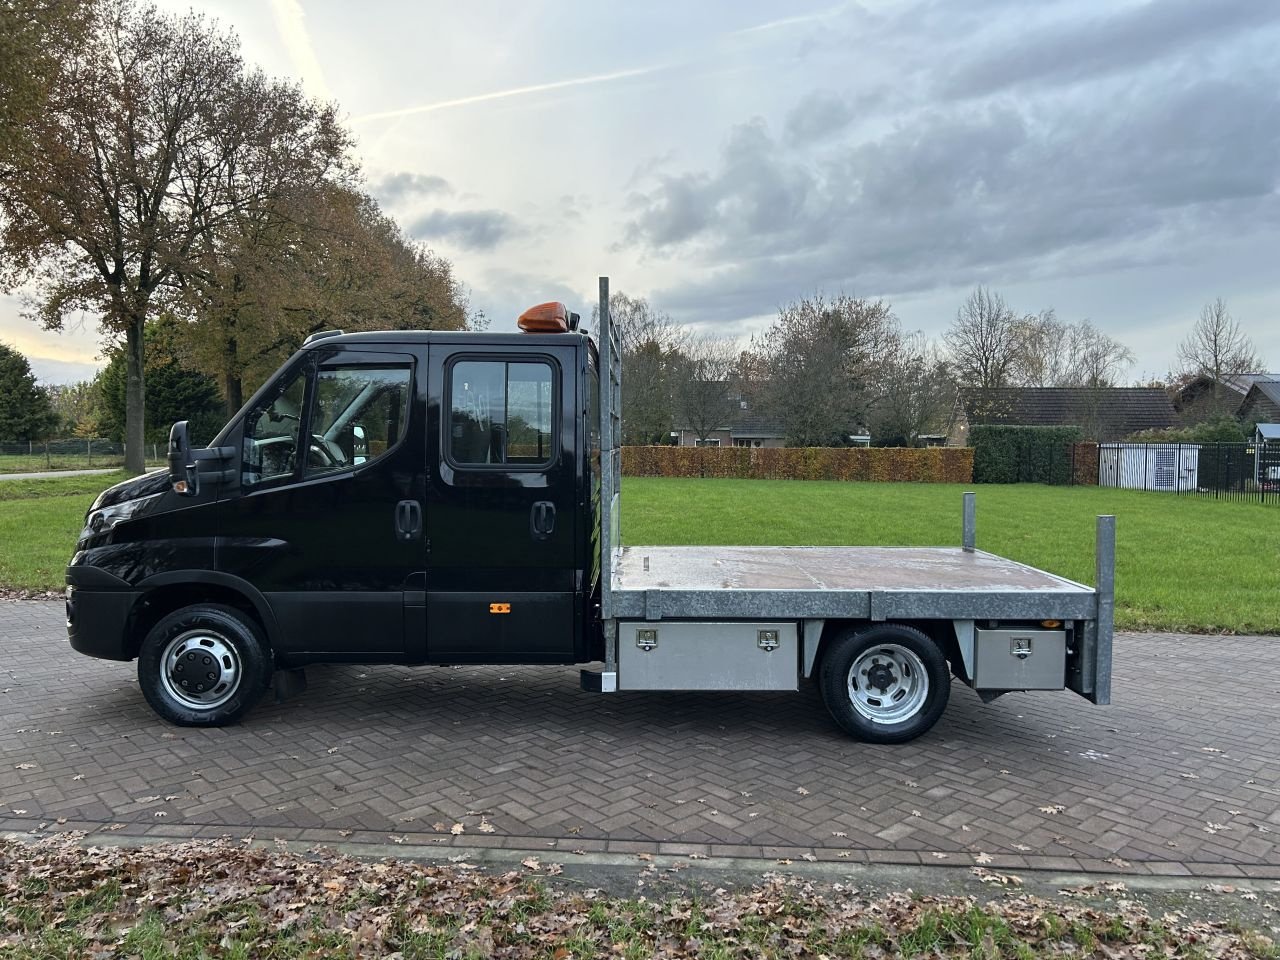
<point x="183" y="476"/>
<point x="360" y="446"/>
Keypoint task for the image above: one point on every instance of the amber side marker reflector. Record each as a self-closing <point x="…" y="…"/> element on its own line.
<point x="1050" y="624"/>
<point x="550" y="317"/>
<point x="499" y="608"/>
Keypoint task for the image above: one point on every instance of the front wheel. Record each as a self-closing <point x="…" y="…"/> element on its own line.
<point x="203" y="666"/>
<point x="884" y="684"/>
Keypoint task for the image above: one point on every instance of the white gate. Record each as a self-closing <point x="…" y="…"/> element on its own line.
<point x="1171" y="467"/>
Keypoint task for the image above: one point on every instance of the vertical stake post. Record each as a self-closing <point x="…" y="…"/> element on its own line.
<point x="970" y="521"/>
<point x="1105" y="573"/>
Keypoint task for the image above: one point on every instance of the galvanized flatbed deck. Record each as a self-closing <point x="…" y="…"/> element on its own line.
<point x="876" y="583"/>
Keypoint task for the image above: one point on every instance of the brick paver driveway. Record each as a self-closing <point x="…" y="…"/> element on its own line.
<point x="1181" y="775"/>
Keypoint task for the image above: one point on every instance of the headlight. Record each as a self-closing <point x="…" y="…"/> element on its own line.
<point x="108" y="517"/>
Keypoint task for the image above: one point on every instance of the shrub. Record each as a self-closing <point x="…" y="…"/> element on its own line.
<point x="879" y="464"/>
<point x="1012" y="454"/>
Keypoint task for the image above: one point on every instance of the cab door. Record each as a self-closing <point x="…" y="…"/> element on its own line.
<point x="501" y="522"/>
<point x="327" y="521"/>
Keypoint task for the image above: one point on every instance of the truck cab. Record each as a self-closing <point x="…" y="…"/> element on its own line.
<point x="403" y="497"/>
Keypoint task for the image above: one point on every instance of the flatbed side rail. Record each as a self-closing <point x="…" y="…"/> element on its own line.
<point x="610" y="348"/>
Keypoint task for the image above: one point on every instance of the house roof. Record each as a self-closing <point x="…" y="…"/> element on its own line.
<point x="1236" y="382"/>
<point x="1268" y="388"/>
<point x="1111" y="411"/>
<point x="1269" y="431"/>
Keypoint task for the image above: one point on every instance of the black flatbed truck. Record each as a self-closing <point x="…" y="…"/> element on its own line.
<point x="430" y="497"/>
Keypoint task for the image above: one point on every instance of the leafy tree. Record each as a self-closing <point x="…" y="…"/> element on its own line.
<point x="652" y="347"/>
<point x="821" y="359"/>
<point x="326" y="258"/>
<point x="76" y="406"/>
<point x="705" y="387"/>
<point x="145" y="141"/>
<point x="915" y="393"/>
<point x="25" y="411"/>
<point x="174" y="392"/>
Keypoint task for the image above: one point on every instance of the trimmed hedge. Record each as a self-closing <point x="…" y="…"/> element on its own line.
<point x="1084" y="470"/>
<point x="879" y="464"/>
<point x="1005" y="454"/>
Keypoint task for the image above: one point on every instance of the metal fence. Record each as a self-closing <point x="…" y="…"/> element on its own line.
<point x="27" y="456"/>
<point x="1237" y="471"/>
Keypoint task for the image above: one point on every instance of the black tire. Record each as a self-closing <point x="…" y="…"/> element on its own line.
<point x="210" y="646"/>
<point x="892" y="655"/>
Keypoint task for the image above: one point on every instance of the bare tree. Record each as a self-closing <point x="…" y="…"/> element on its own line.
<point x="916" y="392"/>
<point x="1053" y="353"/>
<point x="822" y="358"/>
<point x="133" y="162"/>
<point x="705" y="393"/>
<point x="1217" y="348"/>
<point x="984" y="340"/>
<point x="652" y="355"/>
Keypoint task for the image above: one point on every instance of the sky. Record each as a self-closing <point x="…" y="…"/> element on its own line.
<point x="1116" y="161"/>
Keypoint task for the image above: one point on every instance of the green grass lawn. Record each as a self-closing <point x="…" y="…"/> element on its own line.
<point x="39" y="523"/>
<point x="1182" y="563"/>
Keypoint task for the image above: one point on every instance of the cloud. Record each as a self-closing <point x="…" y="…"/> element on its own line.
<point x="291" y="23"/>
<point x="954" y="194"/>
<point x="504" y="94"/>
<point x="394" y="188"/>
<point x="1122" y="41"/>
<point x="818" y="116"/>
<point x="470" y="229"/>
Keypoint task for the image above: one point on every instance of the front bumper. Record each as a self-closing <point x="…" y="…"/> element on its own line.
<point x="98" y="608"/>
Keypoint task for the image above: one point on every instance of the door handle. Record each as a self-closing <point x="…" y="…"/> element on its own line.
<point x="542" y="519"/>
<point x="408" y="520"/>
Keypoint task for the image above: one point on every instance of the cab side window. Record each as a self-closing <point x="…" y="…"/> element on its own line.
<point x="271" y="433"/>
<point x="358" y="413"/>
<point x="501" y="412"/>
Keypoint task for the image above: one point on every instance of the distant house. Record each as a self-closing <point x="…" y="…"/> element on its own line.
<point x="1195" y="399"/>
<point x="1262" y="403"/>
<point x="750" y="428"/>
<point x="746" y="428"/>
<point x="1102" y="413"/>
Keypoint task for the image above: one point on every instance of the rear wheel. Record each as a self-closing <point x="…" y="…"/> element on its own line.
<point x="203" y="666"/>
<point x="884" y="684"/>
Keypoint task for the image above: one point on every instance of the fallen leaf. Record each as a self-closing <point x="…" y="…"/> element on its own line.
<point x="486" y="827"/>
<point x="808" y="856"/>
<point x="785" y="863"/>
<point x="1189" y="776"/>
<point x="20" y="813"/>
<point x="802" y="791"/>
<point x="644" y="856"/>
<point x="983" y="858"/>
<point x="843" y="854"/>
<point x="457" y="829"/>
<point x="1021" y="846"/>
<point x="554" y="870"/>
<point x="159" y="813"/>
<point x="332" y="750"/>
<point x="1056" y="808"/>
<point x="78" y="776"/>
<point x="940" y="856"/>
<point x="24" y="766"/>
<point x="395" y="839"/>
<point x="839" y="833"/>
<point x="916" y="813"/>
<point x="530" y="863"/>
<point x="1119" y="861"/>
<point x="345" y="833"/>
<point x="147" y="799"/>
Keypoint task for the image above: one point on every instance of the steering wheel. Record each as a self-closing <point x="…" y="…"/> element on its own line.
<point x="325" y="453"/>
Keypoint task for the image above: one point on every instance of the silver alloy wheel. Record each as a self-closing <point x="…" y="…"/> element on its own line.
<point x="200" y="669"/>
<point x="888" y="684"/>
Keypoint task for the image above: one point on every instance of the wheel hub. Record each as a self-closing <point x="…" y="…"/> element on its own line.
<point x="888" y="683"/>
<point x="880" y="676"/>
<point x="200" y="669"/>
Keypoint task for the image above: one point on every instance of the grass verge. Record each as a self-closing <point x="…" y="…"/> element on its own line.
<point x="1182" y="563"/>
<point x="218" y="899"/>
<point x="39" y="523"/>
